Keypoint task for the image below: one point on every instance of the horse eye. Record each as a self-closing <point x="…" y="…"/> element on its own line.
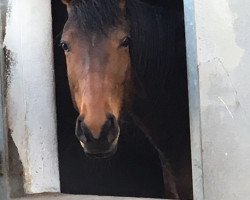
<point x="64" y="46"/>
<point x="125" y="42"/>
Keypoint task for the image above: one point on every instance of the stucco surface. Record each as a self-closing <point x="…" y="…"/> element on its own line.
<point x="30" y="92"/>
<point x="223" y="45"/>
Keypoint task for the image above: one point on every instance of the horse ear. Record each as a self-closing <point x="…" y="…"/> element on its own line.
<point x="122" y="5"/>
<point x="66" y="2"/>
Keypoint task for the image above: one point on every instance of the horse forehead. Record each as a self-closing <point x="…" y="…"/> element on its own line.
<point x="93" y="40"/>
<point x="97" y="41"/>
<point x="98" y="56"/>
<point x="98" y="48"/>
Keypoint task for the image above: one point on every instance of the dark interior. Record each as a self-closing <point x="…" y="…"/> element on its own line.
<point x="135" y="170"/>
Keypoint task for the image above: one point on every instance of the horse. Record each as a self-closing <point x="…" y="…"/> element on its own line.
<point x="128" y="56"/>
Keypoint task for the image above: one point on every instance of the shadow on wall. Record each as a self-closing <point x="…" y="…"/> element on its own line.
<point x="15" y="170"/>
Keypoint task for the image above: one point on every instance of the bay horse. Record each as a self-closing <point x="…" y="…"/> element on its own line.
<point x="128" y="56"/>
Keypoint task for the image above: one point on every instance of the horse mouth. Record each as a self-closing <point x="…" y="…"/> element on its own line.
<point x="100" y="154"/>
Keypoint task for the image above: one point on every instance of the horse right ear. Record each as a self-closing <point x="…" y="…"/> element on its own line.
<point x="68" y="4"/>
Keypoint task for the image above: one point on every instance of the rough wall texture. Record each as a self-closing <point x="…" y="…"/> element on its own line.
<point x="223" y="29"/>
<point x="3" y="146"/>
<point x="30" y="93"/>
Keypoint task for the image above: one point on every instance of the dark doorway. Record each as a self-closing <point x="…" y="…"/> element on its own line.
<point x="135" y="170"/>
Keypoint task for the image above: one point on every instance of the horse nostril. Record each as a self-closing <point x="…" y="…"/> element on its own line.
<point x="110" y="121"/>
<point x="79" y="130"/>
<point x="110" y="129"/>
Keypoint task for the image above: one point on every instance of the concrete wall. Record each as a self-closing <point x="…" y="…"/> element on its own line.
<point x="223" y="45"/>
<point x="3" y="143"/>
<point x="30" y="93"/>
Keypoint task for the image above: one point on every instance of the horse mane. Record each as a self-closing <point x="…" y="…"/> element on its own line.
<point x="157" y="51"/>
<point x="158" y="56"/>
<point x="96" y="16"/>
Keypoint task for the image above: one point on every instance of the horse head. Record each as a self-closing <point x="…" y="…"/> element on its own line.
<point x="96" y="40"/>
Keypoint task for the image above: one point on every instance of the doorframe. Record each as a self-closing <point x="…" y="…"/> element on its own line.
<point x="194" y="99"/>
<point x="194" y="103"/>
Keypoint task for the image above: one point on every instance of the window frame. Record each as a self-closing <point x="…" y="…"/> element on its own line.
<point x="194" y="106"/>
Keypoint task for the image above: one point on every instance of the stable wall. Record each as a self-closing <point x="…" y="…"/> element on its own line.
<point x="30" y="94"/>
<point x="3" y="147"/>
<point x="223" y="46"/>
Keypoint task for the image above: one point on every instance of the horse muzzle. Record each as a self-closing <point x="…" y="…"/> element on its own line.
<point x="105" y="145"/>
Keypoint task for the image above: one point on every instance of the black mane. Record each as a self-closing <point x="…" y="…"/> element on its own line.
<point x="96" y="16"/>
<point x="157" y="50"/>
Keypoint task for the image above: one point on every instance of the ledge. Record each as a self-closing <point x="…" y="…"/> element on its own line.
<point x="76" y="197"/>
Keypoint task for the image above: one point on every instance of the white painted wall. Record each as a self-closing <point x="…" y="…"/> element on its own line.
<point x="30" y="92"/>
<point x="223" y="44"/>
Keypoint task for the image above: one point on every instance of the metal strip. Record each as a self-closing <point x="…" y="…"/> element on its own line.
<point x="3" y="133"/>
<point x="194" y="100"/>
